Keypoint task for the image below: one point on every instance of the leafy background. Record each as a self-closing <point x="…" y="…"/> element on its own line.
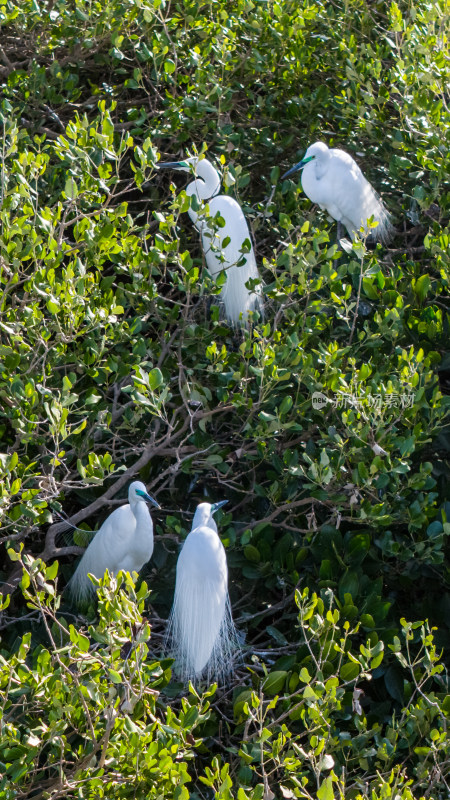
<point x="115" y="364"/>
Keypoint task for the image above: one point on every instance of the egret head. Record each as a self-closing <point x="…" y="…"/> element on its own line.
<point x="208" y="185"/>
<point x="315" y="151"/>
<point x="204" y="514"/>
<point x="185" y="166"/>
<point x="138" y="493"/>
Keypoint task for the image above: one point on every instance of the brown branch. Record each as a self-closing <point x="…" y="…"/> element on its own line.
<point x="51" y="550"/>
<point x="5" y="59"/>
<point x="42" y="129"/>
<point x="149" y="452"/>
<point x="288" y="507"/>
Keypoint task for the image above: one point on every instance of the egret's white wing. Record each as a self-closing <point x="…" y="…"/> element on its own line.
<point x="346" y="194"/>
<point x="106" y="551"/>
<point x="240" y="266"/>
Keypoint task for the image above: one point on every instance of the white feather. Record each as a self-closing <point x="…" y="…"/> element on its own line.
<point x="201" y="634"/>
<point x="333" y="180"/>
<point x="239" y="266"/>
<point x="236" y="297"/>
<point x="123" y="542"/>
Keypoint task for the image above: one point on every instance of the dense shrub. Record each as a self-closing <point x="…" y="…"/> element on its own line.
<point x="114" y="363"/>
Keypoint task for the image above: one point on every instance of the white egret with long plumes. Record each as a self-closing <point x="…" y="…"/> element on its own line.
<point x="201" y="634"/>
<point x="123" y="542"/>
<point x="332" y="179"/>
<point x="226" y="246"/>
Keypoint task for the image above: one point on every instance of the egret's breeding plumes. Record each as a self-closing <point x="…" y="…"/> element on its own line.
<point x="124" y="542"/>
<point x="201" y="634"/>
<point x="226" y="246"/>
<point x="333" y="180"/>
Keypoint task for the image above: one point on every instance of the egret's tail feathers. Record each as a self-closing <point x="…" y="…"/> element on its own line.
<point x="226" y="650"/>
<point x="237" y="298"/>
<point x="80" y="586"/>
<point x="385" y="230"/>
<point x="373" y="206"/>
<point x="201" y="635"/>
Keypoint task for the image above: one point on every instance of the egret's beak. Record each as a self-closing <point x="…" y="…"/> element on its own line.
<point x="150" y="499"/>
<point x="215" y="507"/>
<point x="173" y="165"/>
<point x="297" y="167"/>
<point x="168" y="165"/>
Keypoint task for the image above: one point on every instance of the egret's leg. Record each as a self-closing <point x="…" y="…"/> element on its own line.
<point x="339" y="231"/>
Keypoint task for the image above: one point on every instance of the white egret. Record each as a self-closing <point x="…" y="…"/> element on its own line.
<point x="333" y="180"/>
<point x="123" y="542"/>
<point x="226" y="248"/>
<point x="201" y="634"/>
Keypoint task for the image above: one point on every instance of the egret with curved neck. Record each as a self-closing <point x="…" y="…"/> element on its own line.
<point x="226" y="247"/>
<point x="201" y="634"/>
<point x="123" y="542"/>
<point x="332" y="179"/>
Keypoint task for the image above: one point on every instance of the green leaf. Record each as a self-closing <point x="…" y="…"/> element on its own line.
<point x="70" y="189"/>
<point x="286" y="404"/>
<point x="304" y="675"/>
<point x="251" y="553"/>
<point x="422" y="287"/>
<point x="274" y="683"/>
<point x="349" y="671"/>
<point x="53" y="306"/>
<point x="276" y="635"/>
<point x="169" y="66"/>
<point x="52" y="571"/>
<point x="393" y="679"/>
<point x="349" y="584"/>
<point x="189" y="719"/>
<point x="434" y="529"/>
<point x="155" y="379"/>
<point x="325" y="790"/>
<point x="92" y="399"/>
<point x="369" y="289"/>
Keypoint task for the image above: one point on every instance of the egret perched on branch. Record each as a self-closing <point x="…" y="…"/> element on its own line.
<point x="124" y="542"/>
<point x="226" y="248"/>
<point x="333" y="180"/>
<point x="201" y="634"/>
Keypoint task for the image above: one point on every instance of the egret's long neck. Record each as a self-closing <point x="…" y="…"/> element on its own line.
<point x="205" y="186"/>
<point x="142" y="515"/>
<point x="203" y="518"/>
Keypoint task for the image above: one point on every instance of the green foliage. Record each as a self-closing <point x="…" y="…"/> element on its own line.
<point x="84" y="710"/>
<point x="112" y="366"/>
<point x="315" y="732"/>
